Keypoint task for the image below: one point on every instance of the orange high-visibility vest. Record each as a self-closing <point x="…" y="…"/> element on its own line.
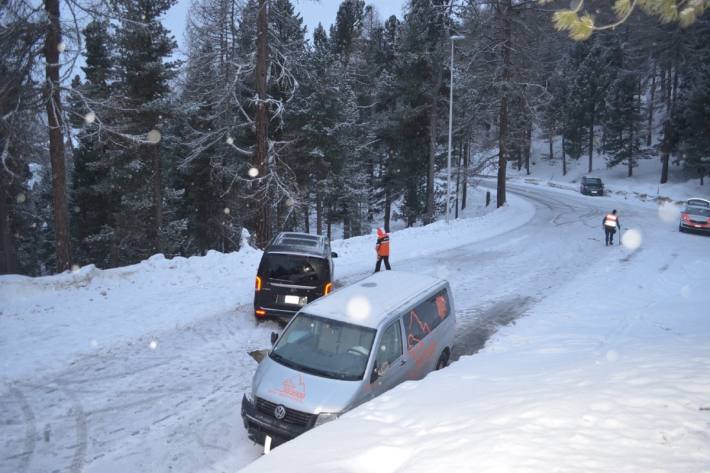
<point x="383" y="245"/>
<point x="610" y="220"/>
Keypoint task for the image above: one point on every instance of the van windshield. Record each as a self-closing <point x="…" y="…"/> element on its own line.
<point x="294" y="269"/>
<point x="325" y="347"/>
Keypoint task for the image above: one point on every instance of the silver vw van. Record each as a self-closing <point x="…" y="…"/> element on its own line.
<point x="344" y="349"/>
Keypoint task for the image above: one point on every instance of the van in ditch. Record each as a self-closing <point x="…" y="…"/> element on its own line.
<point x="295" y="269"/>
<point x="347" y="348"/>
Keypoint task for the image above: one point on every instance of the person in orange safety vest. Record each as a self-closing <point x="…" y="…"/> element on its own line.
<point x="383" y="249"/>
<point x="610" y="224"/>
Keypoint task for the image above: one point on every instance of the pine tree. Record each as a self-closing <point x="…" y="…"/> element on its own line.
<point x="143" y="82"/>
<point x="94" y="201"/>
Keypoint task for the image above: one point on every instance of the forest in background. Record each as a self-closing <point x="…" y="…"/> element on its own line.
<point x="264" y="126"/>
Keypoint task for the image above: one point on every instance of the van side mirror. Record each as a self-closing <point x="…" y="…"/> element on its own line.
<point x="274" y="337"/>
<point x="333" y="254"/>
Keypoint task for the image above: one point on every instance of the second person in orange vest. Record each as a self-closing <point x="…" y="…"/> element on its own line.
<point x="383" y="249"/>
<point x="610" y="224"/>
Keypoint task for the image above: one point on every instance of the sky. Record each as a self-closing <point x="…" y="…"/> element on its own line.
<point x="312" y="11"/>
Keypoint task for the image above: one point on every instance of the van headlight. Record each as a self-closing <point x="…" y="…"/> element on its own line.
<point x="325" y="417"/>
<point x="250" y="396"/>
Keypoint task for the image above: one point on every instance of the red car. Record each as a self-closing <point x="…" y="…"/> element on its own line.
<point x="695" y="217"/>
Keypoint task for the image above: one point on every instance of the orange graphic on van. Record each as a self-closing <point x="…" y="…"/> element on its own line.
<point x="442" y="308"/>
<point x="422" y="353"/>
<point x="292" y="388"/>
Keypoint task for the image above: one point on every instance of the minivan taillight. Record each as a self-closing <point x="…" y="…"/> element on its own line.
<point x="258" y="283"/>
<point x="327" y="288"/>
<point x="684" y="216"/>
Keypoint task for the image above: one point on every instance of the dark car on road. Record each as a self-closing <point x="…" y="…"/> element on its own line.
<point x="591" y="186"/>
<point x="296" y="268"/>
<point x="695" y="217"/>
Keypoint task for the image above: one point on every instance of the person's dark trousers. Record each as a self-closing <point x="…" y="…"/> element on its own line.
<point x="386" y="259"/>
<point x="609" y="235"/>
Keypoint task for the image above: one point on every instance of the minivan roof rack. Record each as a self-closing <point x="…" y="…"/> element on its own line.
<point x="295" y="242"/>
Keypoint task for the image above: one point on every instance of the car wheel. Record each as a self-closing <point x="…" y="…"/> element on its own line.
<point x="443" y="360"/>
<point x="681" y="229"/>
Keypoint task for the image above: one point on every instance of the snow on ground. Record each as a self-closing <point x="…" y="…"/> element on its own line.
<point x="142" y="368"/>
<point x="644" y="184"/>
<point x="80" y="312"/>
<point x="606" y="373"/>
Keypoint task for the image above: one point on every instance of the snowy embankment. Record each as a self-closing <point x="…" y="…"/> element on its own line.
<point x="47" y="322"/>
<point x="608" y="373"/>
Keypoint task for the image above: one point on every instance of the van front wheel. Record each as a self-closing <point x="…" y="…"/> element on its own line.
<point x="443" y="360"/>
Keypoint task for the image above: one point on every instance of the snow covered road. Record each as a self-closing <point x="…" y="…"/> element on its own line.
<point x="169" y="400"/>
<point x="606" y="372"/>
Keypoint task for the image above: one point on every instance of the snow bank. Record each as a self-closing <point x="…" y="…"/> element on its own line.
<point x="46" y="321"/>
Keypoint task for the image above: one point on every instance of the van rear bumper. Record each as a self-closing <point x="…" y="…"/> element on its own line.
<point x="272" y="313"/>
<point x="258" y="426"/>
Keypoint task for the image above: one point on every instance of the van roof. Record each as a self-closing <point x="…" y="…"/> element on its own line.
<point x="301" y="243"/>
<point x="370" y="301"/>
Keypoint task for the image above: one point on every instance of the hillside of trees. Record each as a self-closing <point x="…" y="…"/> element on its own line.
<point x="113" y="150"/>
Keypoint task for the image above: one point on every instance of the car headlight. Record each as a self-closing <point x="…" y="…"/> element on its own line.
<point x="249" y="395"/>
<point x="324" y="418"/>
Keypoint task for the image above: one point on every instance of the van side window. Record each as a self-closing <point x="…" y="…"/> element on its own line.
<point x="390" y="347"/>
<point x="426" y="317"/>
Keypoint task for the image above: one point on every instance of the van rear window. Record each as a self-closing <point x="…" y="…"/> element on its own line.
<point x="293" y="269"/>
<point x="425" y="317"/>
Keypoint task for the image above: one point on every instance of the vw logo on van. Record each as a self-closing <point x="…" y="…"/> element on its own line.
<point x="280" y="412"/>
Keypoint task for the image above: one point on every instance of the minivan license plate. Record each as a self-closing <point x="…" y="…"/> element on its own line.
<point x="294" y="300"/>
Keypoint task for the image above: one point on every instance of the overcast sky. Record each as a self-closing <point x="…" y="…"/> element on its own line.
<point x="312" y="11"/>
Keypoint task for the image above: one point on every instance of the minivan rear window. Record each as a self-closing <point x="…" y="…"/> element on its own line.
<point x="425" y="317"/>
<point x="325" y="347"/>
<point x="593" y="181"/>
<point x="293" y="269"/>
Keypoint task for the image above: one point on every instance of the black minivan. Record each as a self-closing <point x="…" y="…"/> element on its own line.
<point x="296" y="268"/>
<point x="591" y="186"/>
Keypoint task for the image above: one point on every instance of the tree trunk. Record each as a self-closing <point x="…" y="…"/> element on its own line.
<point x="319" y="213"/>
<point x="552" y="154"/>
<point x="388" y="211"/>
<point x="329" y="225"/>
<point x="564" y="157"/>
<point x="666" y="149"/>
<point x="157" y="197"/>
<point x="528" y="145"/>
<point x="503" y="114"/>
<point x="591" y="134"/>
<point x="467" y="150"/>
<point x="263" y="224"/>
<point x="669" y="88"/>
<point x="8" y="250"/>
<point x="649" y="137"/>
<point x="306" y="217"/>
<point x="675" y="87"/>
<point x="60" y="202"/>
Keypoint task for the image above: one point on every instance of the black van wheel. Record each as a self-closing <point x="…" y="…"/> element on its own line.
<point x="443" y="360"/>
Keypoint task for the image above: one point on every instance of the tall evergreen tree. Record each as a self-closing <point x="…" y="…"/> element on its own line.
<point x="144" y="72"/>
